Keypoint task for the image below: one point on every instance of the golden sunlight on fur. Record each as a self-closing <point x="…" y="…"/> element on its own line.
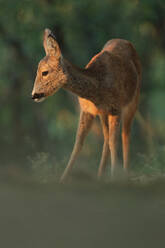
<point x="109" y="86"/>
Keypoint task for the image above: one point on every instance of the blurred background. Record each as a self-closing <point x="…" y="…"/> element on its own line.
<point x="36" y="139"/>
<point x="35" y="136"/>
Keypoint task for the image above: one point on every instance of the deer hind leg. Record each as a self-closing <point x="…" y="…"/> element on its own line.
<point x="105" y="152"/>
<point x="85" y="124"/>
<point x="127" y="118"/>
<point x="114" y="130"/>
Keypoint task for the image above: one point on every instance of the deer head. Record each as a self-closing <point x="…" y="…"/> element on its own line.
<point x="50" y="76"/>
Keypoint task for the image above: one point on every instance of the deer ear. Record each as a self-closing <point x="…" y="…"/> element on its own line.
<point x="50" y="44"/>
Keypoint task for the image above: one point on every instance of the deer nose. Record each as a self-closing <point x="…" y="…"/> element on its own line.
<point x="37" y="95"/>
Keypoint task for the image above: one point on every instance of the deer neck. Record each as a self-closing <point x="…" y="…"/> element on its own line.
<point x="80" y="81"/>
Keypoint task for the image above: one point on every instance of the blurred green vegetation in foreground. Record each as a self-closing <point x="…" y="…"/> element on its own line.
<point x="36" y="139"/>
<point x="82" y="214"/>
<point x="39" y="137"/>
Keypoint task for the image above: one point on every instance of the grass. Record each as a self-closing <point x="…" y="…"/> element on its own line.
<point x="42" y="168"/>
<point x="37" y="211"/>
<point x="84" y="213"/>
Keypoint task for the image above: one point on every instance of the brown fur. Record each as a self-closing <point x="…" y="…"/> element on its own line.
<point x="108" y="86"/>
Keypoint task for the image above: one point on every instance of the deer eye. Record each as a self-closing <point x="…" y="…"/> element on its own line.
<point x="44" y="73"/>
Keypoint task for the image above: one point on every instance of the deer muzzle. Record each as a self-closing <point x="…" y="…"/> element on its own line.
<point x="38" y="97"/>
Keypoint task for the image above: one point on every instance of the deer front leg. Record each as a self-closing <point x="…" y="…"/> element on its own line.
<point x="114" y="129"/>
<point x="105" y="152"/>
<point x="85" y="124"/>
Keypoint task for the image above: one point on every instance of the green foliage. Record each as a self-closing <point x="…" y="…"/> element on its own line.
<point x="82" y="27"/>
<point x="42" y="170"/>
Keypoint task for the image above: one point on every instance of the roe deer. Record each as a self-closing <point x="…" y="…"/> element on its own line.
<point x="108" y="86"/>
